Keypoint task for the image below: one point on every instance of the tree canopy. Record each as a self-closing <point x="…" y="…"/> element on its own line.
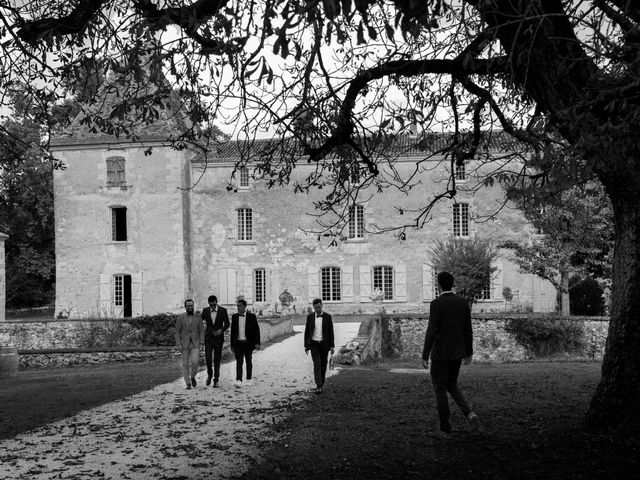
<point x="344" y="78"/>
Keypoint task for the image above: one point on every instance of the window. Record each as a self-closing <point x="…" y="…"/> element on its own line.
<point x="260" y="284"/>
<point x="354" y="175"/>
<point x="356" y="222"/>
<point x="119" y="224"/>
<point x="245" y="226"/>
<point x="461" y="220"/>
<point x="485" y="294"/>
<point x="330" y="281"/>
<point x="436" y="286"/>
<point x="460" y="172"/>
<point x="383" y="281"/>
<point x="244" y="177"/>
<point x="115" y="172"/>
<point x="122" y="296"/>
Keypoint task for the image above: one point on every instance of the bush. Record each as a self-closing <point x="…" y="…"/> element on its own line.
<point x="544" y="337"/>
<point x="586" y="297"/>
<point x="155" y="330"/>
<point x="106" y="334"/>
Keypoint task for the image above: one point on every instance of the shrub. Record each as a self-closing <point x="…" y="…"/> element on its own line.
<point x="544" y="337"/>
<point x="106" y="334"/>
<point x="586" y="297"/>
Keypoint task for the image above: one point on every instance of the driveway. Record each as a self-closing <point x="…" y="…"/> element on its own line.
<point x="170" y="432"/>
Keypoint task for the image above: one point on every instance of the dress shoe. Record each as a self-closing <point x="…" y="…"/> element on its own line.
<point x="209" y="380"/>
<point x="215" y="384"/>
<point x="193" y="381"/>
<point x="188" y="387"/>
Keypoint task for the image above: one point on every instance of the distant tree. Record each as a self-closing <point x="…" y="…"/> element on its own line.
<point x="470" y="261"/>
<point x="574" y="235"/>
<point x="586" y="296"/>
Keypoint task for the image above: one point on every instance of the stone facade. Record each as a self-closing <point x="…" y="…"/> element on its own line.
<point x="403" y="336"/>
<point x="185" y="242"/>
<point x="3" y="237"/>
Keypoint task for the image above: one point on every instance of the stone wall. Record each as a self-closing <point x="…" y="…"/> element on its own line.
<point x="3" y="237"/>
<point x="55" y="343"/>
<point x="403" y="336"/>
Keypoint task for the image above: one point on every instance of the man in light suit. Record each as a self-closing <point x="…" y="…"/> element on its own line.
<point x="449" y="340"/>
<point x="217" y="321"/>
<point x="245" y="338"/>
<point x="189" y="336"/>
<point x="318" y="338"/>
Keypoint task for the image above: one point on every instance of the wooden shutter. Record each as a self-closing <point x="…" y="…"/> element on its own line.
<point x="427" y="283"/>
<point x="228" y="287"/>
<point x="313" y="282"/>
<point x="104" y="302"/>
<point x="347" y="283"/>
<point x="247" y="284"/>
<point x="400" y="283"/>
<point x="136" y="294"/>
<point x="365" y="283"/>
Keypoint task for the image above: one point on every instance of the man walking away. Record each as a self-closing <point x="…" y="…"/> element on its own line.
<point x="189" y="333"/>
<point x="245" y="338"/>
<point x="448" y="341"/>
<point x="318" y="338"/>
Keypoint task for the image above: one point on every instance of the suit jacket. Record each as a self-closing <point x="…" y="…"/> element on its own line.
<point x="449" y="335"/>
<point x="189" y="328"/>
<point x="222" y="322"/>
<point x="327" y="331"/>
<point x="251" y="329"/>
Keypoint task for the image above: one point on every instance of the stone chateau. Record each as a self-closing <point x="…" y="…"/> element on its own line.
<point x="141" y="226"/>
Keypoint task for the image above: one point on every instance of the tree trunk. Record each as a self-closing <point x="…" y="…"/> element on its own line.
<point x="616" y="403"/>
<point x="564" y="292"/>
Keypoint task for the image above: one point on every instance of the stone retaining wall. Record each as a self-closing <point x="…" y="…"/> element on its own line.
<point x="403" y="336"/>
<point x="54" y="343"/>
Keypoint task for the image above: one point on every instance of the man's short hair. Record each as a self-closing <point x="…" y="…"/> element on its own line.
<point x="187" y="301"/>
<point x="242" y="301"/>
<point x="212" y="298"/>
<point x="317" y="301"/>
<point x="445" y="279"/>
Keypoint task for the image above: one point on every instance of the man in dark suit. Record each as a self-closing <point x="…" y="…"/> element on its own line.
<point x="449" y="340"/>
<point x="216" y="320"/>
<point x="318" y="338"/>
<point x="245" y="338"/>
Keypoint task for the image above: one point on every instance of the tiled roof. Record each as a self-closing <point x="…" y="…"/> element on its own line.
<point x="402" y="146"/>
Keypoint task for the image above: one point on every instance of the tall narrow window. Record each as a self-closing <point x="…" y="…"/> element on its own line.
<point x="244" y="177"/>
<point x="330" y="282"/>
<point x="461" y="174"/>
<point x="461" y="220"/>
<point x="356" y="222"/>
<point x="119" y="224"/>
<point x="260" y="284"/>
<point x="115" y="172"/>
<point x="122" y="296"/>
<point x="354" y="175"/>
<point x="245" y="224"/>
<point x="383" y="281"/>
<point x="436" y="285"/>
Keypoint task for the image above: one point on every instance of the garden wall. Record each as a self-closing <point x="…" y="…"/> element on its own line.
<point x="498" y="338"/>
<point x="79" y="342"/>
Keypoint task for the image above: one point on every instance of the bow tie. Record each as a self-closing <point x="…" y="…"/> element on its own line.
<point x="241" y="315"/>
<point x="318" y="316"/>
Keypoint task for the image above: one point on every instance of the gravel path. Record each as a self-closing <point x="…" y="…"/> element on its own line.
<point x="170" y="432"/>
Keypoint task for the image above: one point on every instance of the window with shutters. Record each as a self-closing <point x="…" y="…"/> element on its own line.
<point x="118" y="224"/>
<point x="383" y="281"/>
<point x="116" y="172"/>
<point x="245" y="224"/>
<point x="260" y="284"/>
<point x="356" y="222"/>
<point x="461" y="220"/>
<point x="330" y="284"/>
<point x="244" y="177"/>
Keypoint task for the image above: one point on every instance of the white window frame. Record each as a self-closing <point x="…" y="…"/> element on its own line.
<point x="245" y="224"/>
<point x="460" y="214"/>
<point x="460" y="172"/>
<point x="334" y="277"/>
<point x="260" y="285"/>
<point x="356" y="222"/>
<point x="244" y="179"/>
<point x="383" y="279"/>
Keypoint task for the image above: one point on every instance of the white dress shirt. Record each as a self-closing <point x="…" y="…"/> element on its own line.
<point x="241" y="327"/>
<point x="317" y="331"/>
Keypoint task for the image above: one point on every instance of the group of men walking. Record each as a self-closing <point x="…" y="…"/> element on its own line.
<point x="448" y="342"/>
<point x="192" y="330"/>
